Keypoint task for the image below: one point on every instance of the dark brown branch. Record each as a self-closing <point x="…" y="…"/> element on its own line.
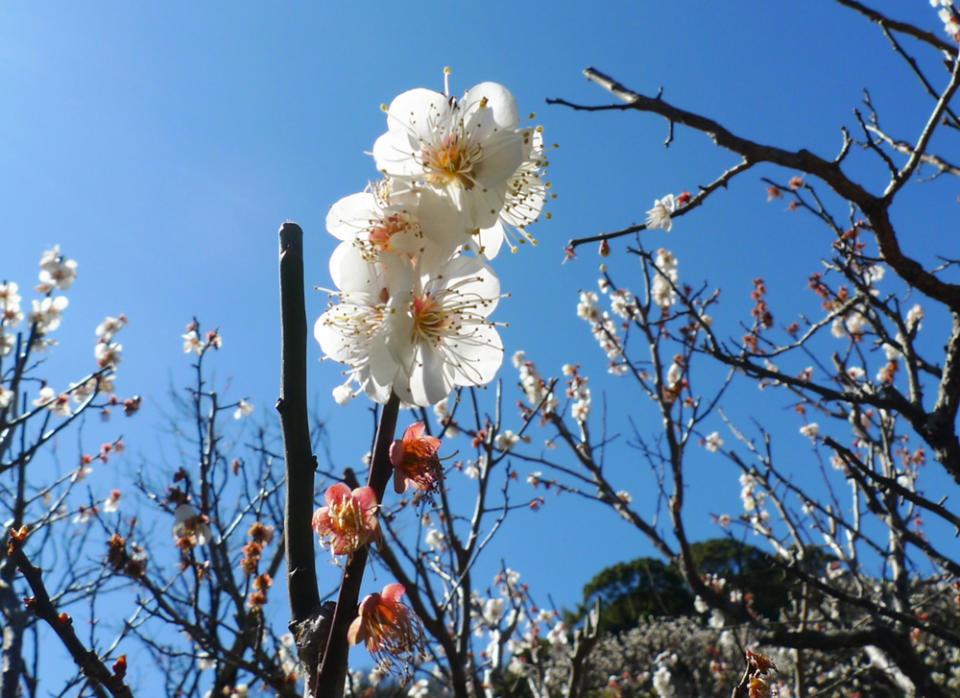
<point x="89" y="662"/>
<point x="292" y="406"/>
<point x="902" y="27"/>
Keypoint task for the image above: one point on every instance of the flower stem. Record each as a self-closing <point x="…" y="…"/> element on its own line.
<point x="333" y="670"/>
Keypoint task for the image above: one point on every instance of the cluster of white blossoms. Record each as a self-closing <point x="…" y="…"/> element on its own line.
<point x="57" y="274"/>
<point x="662" y="288"/>
<point x="535" y="389"/>
<point x="950" y="16"/>
<point x="414" y="288"/>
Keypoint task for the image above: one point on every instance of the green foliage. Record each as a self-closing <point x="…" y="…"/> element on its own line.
<point x="629" y="591"/>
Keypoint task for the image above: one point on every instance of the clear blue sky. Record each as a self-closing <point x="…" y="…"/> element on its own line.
<point x="162" y="144"/>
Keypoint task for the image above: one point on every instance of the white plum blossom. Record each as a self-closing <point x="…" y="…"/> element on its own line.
<point x="493" y="611"/>
<point x="56" y="270"/>
<point x="662" y="288"/>
<point x="244" y="409"/>
<point x="7" y="342"/>
<point x="112" y="503"/>
<point x="713" y="442"/>
<point x="107" y="329"/>
<point x="187" y="522"/>
<point x="467" y="150"/>
<point x="418" y="332"/>
<point x="46" y="313"/>
<point x="534" y="387"/>
<point x="58" y="404"/>
<point x="192" y="343"/>
<point x="914" y="316"/>
<point x="659" y="215"/>
<point x="6" y="396"/>
<point x="435" y="540"/>
<point x="811" y="430"/>
<point x="108" y="354"/>
<point x="506" y="440"/>
<point x="10" y="313"/>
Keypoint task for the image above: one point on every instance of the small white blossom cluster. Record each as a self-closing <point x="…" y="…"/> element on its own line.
<point x="950" y="17"/>
<point x="578" y="391"/>
<point x="811" y="431"/>
<point x="411" y="307"/>
<point x="57" y="273"/>
<point x="602" y="327"/>
<point x="661" y="289"/>
<point x="662" y="677"/>
<point x="713" y="442"/>
<point x="534" y="387"/>
<point x="752" y="494"/>
<point x="193" y="343"/>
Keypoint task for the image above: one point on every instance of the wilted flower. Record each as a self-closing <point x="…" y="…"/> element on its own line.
<point x="390" y="631"/>
<point x="415" y="461"/>
<point x="349" y="519"/>
<point x="189" y="524"/>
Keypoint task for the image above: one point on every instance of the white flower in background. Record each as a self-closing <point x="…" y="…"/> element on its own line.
<point x="662" y="289"/>
<point x="421" y="689"/>
<point x="58" y="404"/>
<point x="811" y="430"/>
<point x="46" y="313"/>
<point x="558" y="635"/>
<point x="108" y="354"/>
<point x="434" y="539"/>
<point x="10" y="313"/>
<point x="187" y="522"/>
<point x="674" y="375"/>
<point x="659" y="215"/>
<point x="107" y="329"/>
<point x="506" y="440"/>
<point x="204" y="660"/>
<point x="622" y="303"/>
<point x="713" y="442"/>
<point x="950" y="19"/>
<point x="6" y="396"/>
<point x="7" y="342"/>
<point x="377" y="675"/>
<point x="855" y="373"/>
<point x="244" y="409"/>
<point x="192" y="343"/>
<point x="624" y="497"/>
<point x="493" y="611"/>
<point x="112" y="503"/>
<point x="56" y="270"/>
<point x="914" y="316"/>
<point x="467" y="150"/>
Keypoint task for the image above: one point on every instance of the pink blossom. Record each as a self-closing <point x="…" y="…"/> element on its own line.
<point x="349" y="519"/>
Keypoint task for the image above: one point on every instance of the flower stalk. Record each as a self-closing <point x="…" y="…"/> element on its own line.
<point x="333" y="669"/>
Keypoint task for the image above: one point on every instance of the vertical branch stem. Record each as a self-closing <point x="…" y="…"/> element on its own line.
<point x="333" y="671"/>
<point x="292" y="406"/>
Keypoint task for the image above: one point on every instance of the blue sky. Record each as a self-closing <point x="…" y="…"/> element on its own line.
<point x="162" y="144"/>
